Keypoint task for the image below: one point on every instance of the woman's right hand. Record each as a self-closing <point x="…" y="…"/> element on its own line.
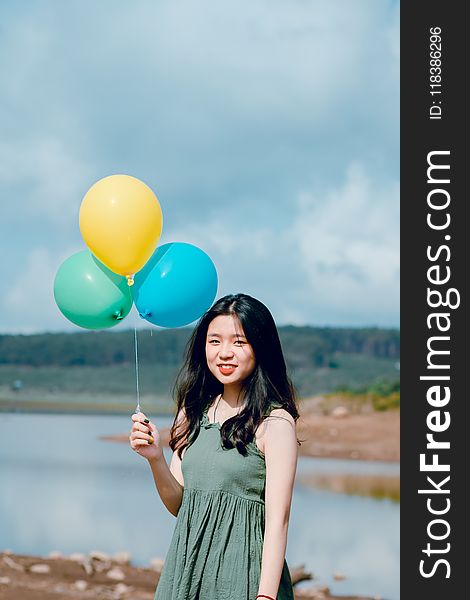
<point x="144" y="438"/>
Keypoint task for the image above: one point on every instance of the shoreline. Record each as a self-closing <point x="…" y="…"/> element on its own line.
<point x="368" y="437"/>
<point x="102" y="577"/>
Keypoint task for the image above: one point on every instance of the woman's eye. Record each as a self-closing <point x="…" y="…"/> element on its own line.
<point x="213" y="341"/>
<point x="240" y="343"/>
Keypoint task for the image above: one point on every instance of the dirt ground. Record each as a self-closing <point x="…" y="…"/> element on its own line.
<point x="99" y="577"/>
<point x="372" y="436"/>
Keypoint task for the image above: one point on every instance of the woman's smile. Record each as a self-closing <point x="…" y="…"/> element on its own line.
<point x="227" y="369"/>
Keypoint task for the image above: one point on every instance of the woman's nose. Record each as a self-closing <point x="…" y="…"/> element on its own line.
<point x="225" y="351"/>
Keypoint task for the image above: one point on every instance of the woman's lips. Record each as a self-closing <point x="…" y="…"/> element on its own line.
<point x="226" y="369"/>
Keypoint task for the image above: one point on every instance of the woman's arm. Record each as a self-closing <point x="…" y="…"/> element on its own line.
<point x="168" y="480"/>
<point x="280" y="450"/>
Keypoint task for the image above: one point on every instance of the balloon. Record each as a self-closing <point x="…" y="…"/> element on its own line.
<point x="89" y="294"/>
<point x="176" y="286"/>
<point x="121" y="223"/>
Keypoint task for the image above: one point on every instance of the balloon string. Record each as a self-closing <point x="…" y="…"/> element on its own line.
<point x="137" y="410"/>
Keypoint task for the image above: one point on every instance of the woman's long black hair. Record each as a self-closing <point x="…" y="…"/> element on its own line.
<point x="196" y="387"/>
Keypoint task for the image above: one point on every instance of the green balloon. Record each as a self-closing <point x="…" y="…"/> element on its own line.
<point x="89" y="294"/>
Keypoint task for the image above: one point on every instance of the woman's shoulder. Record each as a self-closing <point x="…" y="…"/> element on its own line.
<point x="275" y="417"/>
<point x="278" y="413"/>
<point x="276" y="410"/>
<point x="277" y="422"/>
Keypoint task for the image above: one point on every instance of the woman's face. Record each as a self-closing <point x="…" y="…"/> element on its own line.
<point x="230" y="357"/>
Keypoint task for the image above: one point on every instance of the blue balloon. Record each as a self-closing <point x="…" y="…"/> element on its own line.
<point x="176" y="286"/>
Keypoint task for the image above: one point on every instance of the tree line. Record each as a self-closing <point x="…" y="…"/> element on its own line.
<point x="303" y="346"/>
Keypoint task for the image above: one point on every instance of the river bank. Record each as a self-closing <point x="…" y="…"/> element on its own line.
<point x="368" y="436"/>
<point x="101" y="577"/>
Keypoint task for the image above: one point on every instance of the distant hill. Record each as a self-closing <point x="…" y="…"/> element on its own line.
<point x="303" y="347"/>
<point x="85" y="366"/>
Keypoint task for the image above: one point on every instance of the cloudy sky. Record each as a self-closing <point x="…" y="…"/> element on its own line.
<point x="268" y="130"/>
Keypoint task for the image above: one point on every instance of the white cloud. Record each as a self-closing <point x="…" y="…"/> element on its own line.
<point x="48" y="178"/>
<point x="228" y="111"/>
<point x="28" y="304"/>
<point x="205" y="90"/>
<point x="349" y="247"/>
<point x="337" y="260"/>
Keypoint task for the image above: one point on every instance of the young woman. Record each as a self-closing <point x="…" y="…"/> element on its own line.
<point x="234" y="460"/>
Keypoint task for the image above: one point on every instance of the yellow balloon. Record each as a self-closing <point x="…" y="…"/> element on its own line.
<point x="121" y="223"/>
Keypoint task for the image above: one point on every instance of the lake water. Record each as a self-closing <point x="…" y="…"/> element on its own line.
<point x="62" y="488"/>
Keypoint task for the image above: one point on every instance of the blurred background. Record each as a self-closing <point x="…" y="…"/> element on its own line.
<point x="269" y="133"/>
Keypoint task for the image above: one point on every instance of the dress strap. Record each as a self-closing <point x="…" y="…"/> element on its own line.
<point x="217" y="405"/>
<point x="271" y="407"/>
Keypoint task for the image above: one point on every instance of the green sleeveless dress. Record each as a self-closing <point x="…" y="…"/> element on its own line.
<point x="216" y="549"/>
